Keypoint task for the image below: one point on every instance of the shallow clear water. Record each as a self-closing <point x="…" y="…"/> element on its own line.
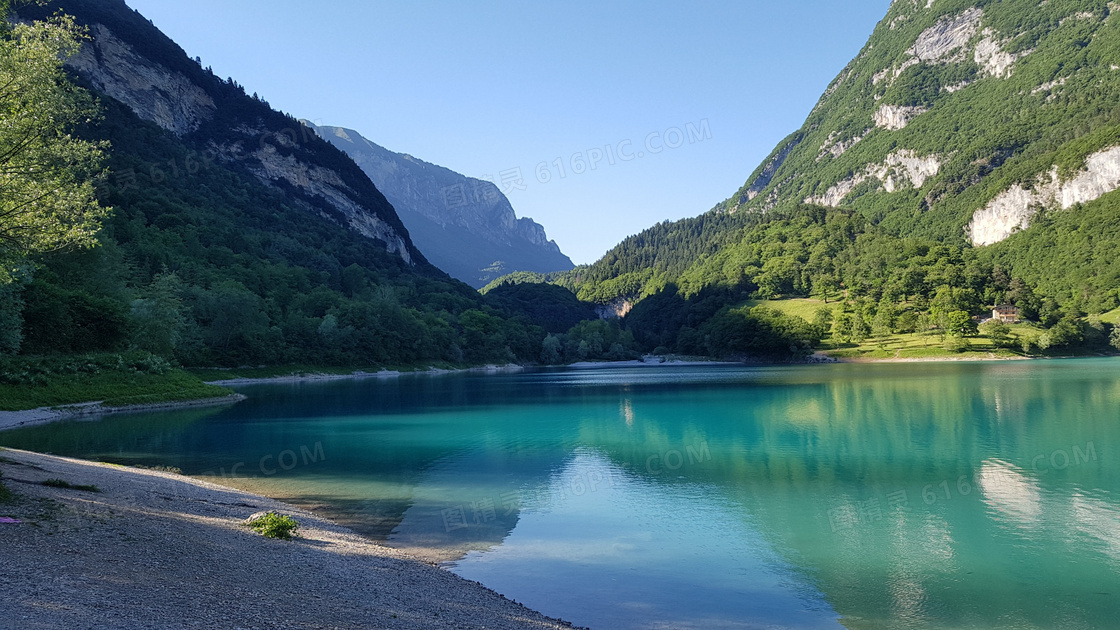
<point x="862" y="496"/>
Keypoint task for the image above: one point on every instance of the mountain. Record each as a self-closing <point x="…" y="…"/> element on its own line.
<point x="465" y="226"/>
<point x="130" y="61"/>
<point x="237" y="235"/>
<point x="960" y="121"/>
<point x="970" y="151"/>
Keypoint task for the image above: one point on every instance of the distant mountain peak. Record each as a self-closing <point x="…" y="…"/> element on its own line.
<point x="464" y="225"/>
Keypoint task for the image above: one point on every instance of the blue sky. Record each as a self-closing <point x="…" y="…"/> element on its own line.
<point x="492" y="89"/>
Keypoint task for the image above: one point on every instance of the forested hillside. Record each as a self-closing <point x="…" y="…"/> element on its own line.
<point x="969" y="155"/>
<point x="231" y="234"/>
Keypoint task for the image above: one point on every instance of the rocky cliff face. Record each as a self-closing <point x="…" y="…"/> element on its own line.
<point x="155" y="93"/>
<point x="960" y="120"/>
<point x="1013" y="209"/>
<point x="901" y="169"/>
<point x="129" y="60"/>
<point x="465" y="226"/>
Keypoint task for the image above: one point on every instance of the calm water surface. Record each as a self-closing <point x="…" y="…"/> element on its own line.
<point x="860" y="496"/>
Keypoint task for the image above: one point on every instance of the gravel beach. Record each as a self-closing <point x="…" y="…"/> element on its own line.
<point x="159" y="550"/>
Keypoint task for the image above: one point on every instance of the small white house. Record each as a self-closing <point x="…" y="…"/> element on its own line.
<point x="1006" y="313"/>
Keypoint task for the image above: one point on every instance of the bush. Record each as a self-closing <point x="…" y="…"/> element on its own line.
<point x="43" y="369"/>
<point x="167" y="469"/>
<point x="273" y="525"/>
<point x="6" y="495"/>
<point x="66" y="485"/>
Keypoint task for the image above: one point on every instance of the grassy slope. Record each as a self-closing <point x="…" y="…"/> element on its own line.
<point x="114" y="388"/>
<point x="905" y="345"/>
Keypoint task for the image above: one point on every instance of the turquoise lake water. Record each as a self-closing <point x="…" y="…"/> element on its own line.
<point x="934" y="495"/>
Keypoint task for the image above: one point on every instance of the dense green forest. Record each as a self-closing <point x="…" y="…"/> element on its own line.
<point x="212" y="268"/>
<point x="886" y="283"/>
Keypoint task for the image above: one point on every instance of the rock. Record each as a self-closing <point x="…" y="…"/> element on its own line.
<point x="322" y="182"/>
<point x="899" y="170"/>
<point x="153" y="92"/>
<point x="766" y="174"/>
<point x="1013" y="209"/>
<point x="616" y="309"/>
<point x="836" y="147"/>
<point x="895" y="117"/>
<point x="950" y="35"/>
<point x="991" y="57"/>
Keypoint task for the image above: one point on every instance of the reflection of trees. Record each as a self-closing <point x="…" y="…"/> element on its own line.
<point x="134" y="438"/>
<point x="795" y="449"/>
<point x="788" y="445"/>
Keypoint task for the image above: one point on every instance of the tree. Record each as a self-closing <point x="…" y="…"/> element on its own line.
<point x="883" y="323"/>
<point x="823" y="318"/>
<point x="550" y="350"/>
<point x="843" y="327"/>
<point x="231" y="314"/>
<point x="826" y="285"/>
<point x="11" y="317"/>
<point x="908" y="322"/>
<point x="925" y="323"/>
<point x="47" y="176"/>
<point x="1066" y="332"/>
<point x="997" y="331"/>
<point x="1114" y="339"/>
<point x="158" y="318"/>
<point x="961" y="323"/>
<point x="860" y="329"/>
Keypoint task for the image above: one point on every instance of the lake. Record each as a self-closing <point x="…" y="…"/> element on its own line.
<point x="925" y="495"/>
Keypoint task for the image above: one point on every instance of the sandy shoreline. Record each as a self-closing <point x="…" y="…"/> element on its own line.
<point x="158" y="550"/>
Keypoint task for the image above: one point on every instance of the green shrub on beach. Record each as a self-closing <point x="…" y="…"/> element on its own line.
<point x="66" y="485"/>
<point x="6" y="495"/>
<point x="273" y="525"/>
